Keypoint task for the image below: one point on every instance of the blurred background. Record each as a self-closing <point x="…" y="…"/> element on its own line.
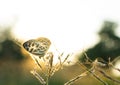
<point x="72" y="26"/>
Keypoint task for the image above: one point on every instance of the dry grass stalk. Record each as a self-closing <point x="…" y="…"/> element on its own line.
<point x="50" y="68"/>
<point x="41" y="80"/>
<point x="76" y="78"/>
<point x="87" y="71"/>
<point x="95" y="66"/>
<point x="38" y="48"/>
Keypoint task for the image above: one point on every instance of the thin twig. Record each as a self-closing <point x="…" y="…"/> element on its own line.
<point x="36" y="61"/>
<point x="59" y="57"/>
<point x="83" y="75"/>
<point x="97" y="77"/>
<point x="66" y="59"/>
<point x="105" y="75"/>
<point x="91" y="71"/>
<point x="41" y="80"/>
<point x="76" y="78"/>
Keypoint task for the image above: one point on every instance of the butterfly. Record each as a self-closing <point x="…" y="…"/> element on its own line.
<point x="37" y="46"/>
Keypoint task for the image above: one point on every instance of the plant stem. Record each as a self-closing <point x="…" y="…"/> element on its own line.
<point x="47" y="81"/>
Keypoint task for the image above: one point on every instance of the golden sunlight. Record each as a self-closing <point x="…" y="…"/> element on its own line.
<point x="69" y="27"/>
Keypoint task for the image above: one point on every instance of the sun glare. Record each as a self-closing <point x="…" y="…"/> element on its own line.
<point x="70" y="25"/>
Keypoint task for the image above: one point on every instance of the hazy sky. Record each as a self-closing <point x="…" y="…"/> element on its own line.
<point x="70" y="24"/>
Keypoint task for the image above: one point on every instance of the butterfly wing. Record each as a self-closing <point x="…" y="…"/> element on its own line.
<point x="37" y="46"/>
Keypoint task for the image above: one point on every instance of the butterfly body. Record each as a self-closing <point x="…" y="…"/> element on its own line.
<point x="38" y="46"/>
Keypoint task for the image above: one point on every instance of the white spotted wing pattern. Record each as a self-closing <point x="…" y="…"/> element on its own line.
<point x="37" y="46"/>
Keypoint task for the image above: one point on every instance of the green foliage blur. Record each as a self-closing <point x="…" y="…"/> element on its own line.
<point x="11" y="71"/>
<point x="109" y="44"/>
